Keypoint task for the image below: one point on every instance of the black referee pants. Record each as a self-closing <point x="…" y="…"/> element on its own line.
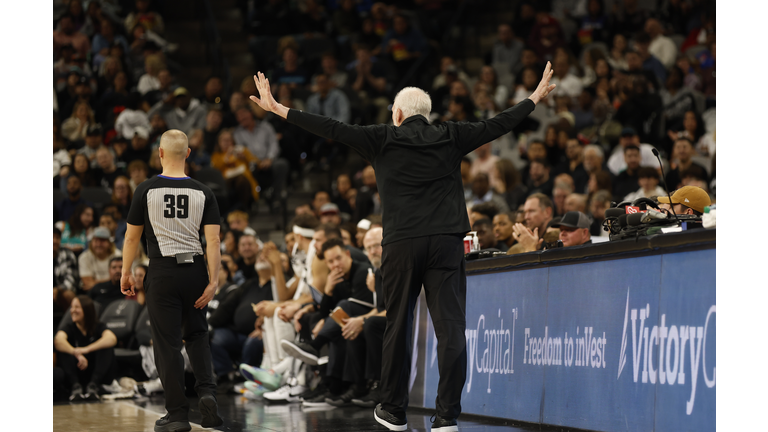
<point x="437" y="263"/>
<point x="172" y="291"/>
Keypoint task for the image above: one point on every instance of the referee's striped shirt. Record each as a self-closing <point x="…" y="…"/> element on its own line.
<point x="173" y="211"/>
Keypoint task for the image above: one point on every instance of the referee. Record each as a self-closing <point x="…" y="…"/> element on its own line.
<point x="175" y="209"/>
<point x="425" y="218"/>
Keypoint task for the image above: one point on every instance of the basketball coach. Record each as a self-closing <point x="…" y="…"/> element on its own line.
<point x="425" y="219"/>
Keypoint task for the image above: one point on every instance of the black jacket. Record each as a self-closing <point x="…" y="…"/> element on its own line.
<point x="417" y="166"/>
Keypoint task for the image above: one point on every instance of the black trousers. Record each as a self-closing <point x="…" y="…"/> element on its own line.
<point x="100" y="370"/>
<point x="364" y="351"/>
<point x="437" y="263"/>
<point x="172" y="291"/>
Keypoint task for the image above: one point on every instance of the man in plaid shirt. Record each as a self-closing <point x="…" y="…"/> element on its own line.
<point x="65" y="278"/>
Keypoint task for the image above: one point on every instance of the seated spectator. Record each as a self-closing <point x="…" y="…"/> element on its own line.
<point x="598" y="204"/>
<point x="505" y="53"/>
<point x="122" y="194"/>
<point x="648" y="179"/>
<point x="559" y="193"/>
<point x="498" y="92"/>
<point x="93" y="264"/>
<point x="65" y="277"/>
<point x="346" y="20"/>
<point x="502" y="230"/>
<point x="341" y="194"/>
<point x="75" y="231"/>
<point x="106" y="292"/>
<point x="689" y="200"/>
<point x="259" y="137"/>
<point x="574" y="229"/>
<point x="248" y="249"/>
<point x="233" y="161"/>
<point x="328" y="101"/>
<point x="538" y="213"/>
<point x="593" y="160"/>
<point x="214" y="124"/>
<point x="85" y="349"/>
<point x="600" y="180"/>
<point x="165" y="89"/>
<point x="574" y="165"/>
<point x="231" y="241"/>
<point x="567" y="83"/>
<point x="132" y="119"/>
<point x="235" y="275"/>
<point x="237" y="220"/>
<point x="181" y="111"/>
<point x="213" y="94"/>
<point x="484" y="163"/>
<point x="627" y="181"/>
<point x="150" y="81"/>
<point x="68" y="35"/>
<point x="368" y="201"/>
<point x="650" y="62"/>
<point x="629" y="137"/>
<point x="75" y="128"/>
<point x="575" y="202"/>
<point x="81" y="168"/>
<point x="138" y="170"/>
<point x="144" y="17"/>
<point x="546" y="36"/>
<point x="539" y="180"/>
<point x="681" y="161"/>
<point x="482" y="192"/>
<point x="104" y="40"/>
<point x="66" y="208"/>
<point x="329" y="213"/>
<point x="485" y="235"/>
<point x="486" y="210"/>
<point x="508" y="183"/>
<point x="291" y="73"/>
<point x="528" y="81"/>
<point x="93" y="140"/>
<point x="403" y="44"/>
<point x="139" y="148"/>
<point x="368" y="78"/>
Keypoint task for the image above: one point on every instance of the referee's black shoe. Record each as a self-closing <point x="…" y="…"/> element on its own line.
<point x="443" y="424"/>
<point x="389" y="420"/>
<point x="167" y="425"/>
<point x="210" y="412"/>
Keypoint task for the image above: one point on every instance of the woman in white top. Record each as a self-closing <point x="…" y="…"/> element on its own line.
<point x="149" y="81"/>
<point x="76" y="126"/>
<point x="528" y="83"/>
<point x="619" y="48"/>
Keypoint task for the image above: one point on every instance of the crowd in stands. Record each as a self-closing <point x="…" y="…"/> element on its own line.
<point x="629" y="80"/>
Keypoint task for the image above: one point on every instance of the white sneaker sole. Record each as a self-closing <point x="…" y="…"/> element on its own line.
<point x="389" y="425"/>
<point x="454" y="428"/>
<point x="294" y="351"/>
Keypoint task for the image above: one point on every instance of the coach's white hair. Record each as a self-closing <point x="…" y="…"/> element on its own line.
<point x="412" y="101"/>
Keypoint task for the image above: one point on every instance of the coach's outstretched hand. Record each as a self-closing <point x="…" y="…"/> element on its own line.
<point x="265" y="100"/>
<point x="544" y="87"/>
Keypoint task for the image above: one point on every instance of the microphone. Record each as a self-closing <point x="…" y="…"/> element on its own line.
<point x="623" y="220"/>
<point x="614" y="212"/>
<point x="652" y="215"/>
<point x="666" y="189"/>
<point x="635" y="219"/>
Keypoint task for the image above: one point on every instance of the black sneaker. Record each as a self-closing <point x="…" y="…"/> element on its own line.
<point x="164" y="424"/>
<point x="371" y="399"/>
<point x="301" y="350"/>
<point x="209" y="411"/>
<point x="345" y="398"/>
<point x="320" y="389"/>
<point x="319" y="400"/>
<point x="442" y="424"/>
<point x="77" y="393"/>
<point x="91" y="392"/>
<point x="389" y="420"/>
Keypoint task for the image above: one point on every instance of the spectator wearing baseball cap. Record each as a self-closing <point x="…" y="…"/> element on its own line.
<point x="574" y="229"/>
<point x="329" y="213"/>
<point x="93" y="264"/>
<point x="686" y="200"/>
<point x="181" y="111"/>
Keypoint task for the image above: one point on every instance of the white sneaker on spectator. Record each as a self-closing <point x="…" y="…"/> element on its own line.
<point x="147" y="388"/>
<point x="286" y="393"/>
<point x="114" y="387"/>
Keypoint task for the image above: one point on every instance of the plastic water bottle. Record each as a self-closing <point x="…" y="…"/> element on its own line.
<point x="709" y="218"/>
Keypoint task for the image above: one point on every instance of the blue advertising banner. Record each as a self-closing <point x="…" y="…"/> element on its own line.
<point x="623" y="344"/>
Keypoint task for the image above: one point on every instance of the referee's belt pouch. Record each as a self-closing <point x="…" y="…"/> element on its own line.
<point x="185" y="258"/>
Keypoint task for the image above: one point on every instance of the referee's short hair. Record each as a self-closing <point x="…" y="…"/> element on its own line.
<point x="332" y="243"/>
